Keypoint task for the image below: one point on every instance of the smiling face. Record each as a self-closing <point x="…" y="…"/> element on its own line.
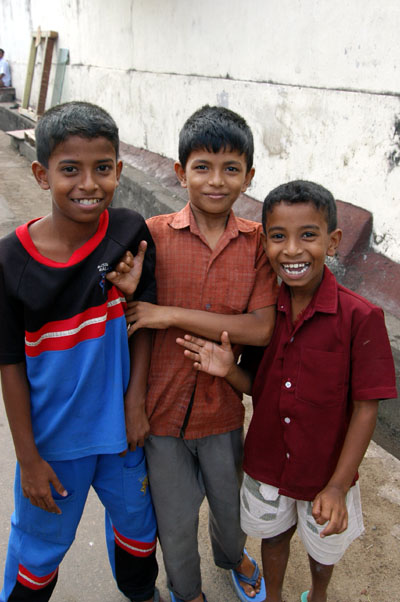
<point x="82" y="176"/>
<point x="214" y="180"/>
<point x="296" y="242"/>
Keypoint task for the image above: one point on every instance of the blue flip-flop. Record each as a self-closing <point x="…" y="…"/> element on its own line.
<point x="237" y="577"/>
<point x="175" y="599"/>
<point x="304" y="596"/>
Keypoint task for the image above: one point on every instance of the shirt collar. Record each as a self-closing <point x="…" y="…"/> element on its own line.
<point x="185" y="219"/>
<point x="325" y="299"/>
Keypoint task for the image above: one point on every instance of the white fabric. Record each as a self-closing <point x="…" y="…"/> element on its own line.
<point x="5" y="69"/>
<point x="264" y="513"/>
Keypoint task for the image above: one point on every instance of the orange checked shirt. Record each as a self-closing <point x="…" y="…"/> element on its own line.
<point x="234" y="278"/>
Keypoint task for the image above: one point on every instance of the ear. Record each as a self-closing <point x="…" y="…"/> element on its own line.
<point x="335" y="238"/>
<point x="118" y="171"/>
<point x="41" y="175"/>
<point x="180" y="174"/>
<point x="248" y="179"/>
<point x="264" y="241"/>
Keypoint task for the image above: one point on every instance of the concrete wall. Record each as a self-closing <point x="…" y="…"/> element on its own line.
<point x="318" y="81"/>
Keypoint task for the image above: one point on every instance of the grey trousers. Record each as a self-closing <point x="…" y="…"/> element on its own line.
<point x="181" y="473"/>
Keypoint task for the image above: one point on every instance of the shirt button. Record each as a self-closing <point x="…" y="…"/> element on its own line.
<point x="287" y="420"/>
<point x="288" y="455"/>
<point x="288" y="384"/>
<point x="291" y="340"/>
<point x="208" y="305"/>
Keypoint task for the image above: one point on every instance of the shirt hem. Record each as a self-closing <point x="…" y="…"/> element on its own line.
<point x="115" y="448"/>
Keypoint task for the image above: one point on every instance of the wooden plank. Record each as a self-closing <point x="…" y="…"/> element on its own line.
<point x="29" y="74"/>
<point x="44" y="82"/>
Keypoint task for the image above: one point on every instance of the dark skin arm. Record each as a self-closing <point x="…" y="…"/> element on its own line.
<point x="137" y="424"/>
<point x="330" y="504"/>
<point x="36" y="473"/>
<point x="253" y="328"/>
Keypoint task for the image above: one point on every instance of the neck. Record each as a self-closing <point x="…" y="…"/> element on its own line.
<point x="212" y="226"/>
<point x="58" y="241"/>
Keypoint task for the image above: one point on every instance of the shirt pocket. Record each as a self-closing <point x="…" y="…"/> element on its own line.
<point x="234" y="290"/>
<point x="322" y="377"/>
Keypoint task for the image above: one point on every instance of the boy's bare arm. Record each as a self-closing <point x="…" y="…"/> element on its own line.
<point x="36" y="473"/>
<point x="137" y="424"/>
<point x="254" y="328"/>
<point x="217" y="360"/>
<point x="330" y="503"/>
<point x="127" y="272"/>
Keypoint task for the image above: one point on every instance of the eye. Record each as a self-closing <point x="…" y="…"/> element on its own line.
<point x="309" y="235"/>
<point x="69" y="169"/>
<point x="277" y="237"/>
<point x="201" y="167"/>
<point x="104" y="168"/>
<point x="232" y="169"/>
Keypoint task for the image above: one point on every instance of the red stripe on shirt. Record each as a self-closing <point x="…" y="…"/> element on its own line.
<point x="65" y="334"/>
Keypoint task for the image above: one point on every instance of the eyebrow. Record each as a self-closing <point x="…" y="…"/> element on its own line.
<point x="76" y="162"/>
<point x="232" y="162"/>
<point x="304" y="227"/>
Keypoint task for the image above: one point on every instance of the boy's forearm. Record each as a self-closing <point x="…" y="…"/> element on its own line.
<point x="254" y="328"/>
<point x="140" y="350"/>
<point x="16" y="397"/>
<point x="359" y="434"/>
<point x="240" y="379"/>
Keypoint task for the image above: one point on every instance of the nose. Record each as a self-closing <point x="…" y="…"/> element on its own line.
<point x="292" y="247"/>
<point x="216" y="177"/>
<point x="88" y="181"/>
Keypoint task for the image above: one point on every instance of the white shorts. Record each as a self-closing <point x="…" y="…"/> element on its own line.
<point x="264" y="513"/>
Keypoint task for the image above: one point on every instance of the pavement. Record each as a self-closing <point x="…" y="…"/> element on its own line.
<point x="369" y="570"/>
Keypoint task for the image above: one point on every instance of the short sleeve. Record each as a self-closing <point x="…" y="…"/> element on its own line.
<point x="12" y="333"/>
<point x="372" y="367"/>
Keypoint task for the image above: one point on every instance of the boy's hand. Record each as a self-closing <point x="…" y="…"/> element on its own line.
<point x="137" y="426"/>
<point x="35" y="483"/>
<point x="208" y="356"/>
<point x="140" y="314"/>
<point x="128" y="271"/>
<point x="330" y="506"/>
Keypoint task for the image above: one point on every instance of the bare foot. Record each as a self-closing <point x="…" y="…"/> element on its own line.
<point x="247" y="568"/>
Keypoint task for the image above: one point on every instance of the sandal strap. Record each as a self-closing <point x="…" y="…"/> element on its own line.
<point x="250" y="580"/>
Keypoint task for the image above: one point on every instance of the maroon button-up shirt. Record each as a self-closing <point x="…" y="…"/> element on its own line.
<point x="338" y="352"/>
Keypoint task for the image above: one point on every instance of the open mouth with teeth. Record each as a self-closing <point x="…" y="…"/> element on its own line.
<point x="87" y="202"/>
<point x="295" y="269"/>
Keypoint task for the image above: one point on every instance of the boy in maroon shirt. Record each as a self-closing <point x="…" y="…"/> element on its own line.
<point x="315" y="394"/>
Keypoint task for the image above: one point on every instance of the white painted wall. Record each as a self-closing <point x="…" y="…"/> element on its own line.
<point x="318" y="81"/>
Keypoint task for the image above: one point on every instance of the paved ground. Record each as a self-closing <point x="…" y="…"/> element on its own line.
<point x="369" y="571"/>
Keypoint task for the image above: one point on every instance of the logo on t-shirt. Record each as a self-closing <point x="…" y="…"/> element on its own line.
<point x="103" y="268"/>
